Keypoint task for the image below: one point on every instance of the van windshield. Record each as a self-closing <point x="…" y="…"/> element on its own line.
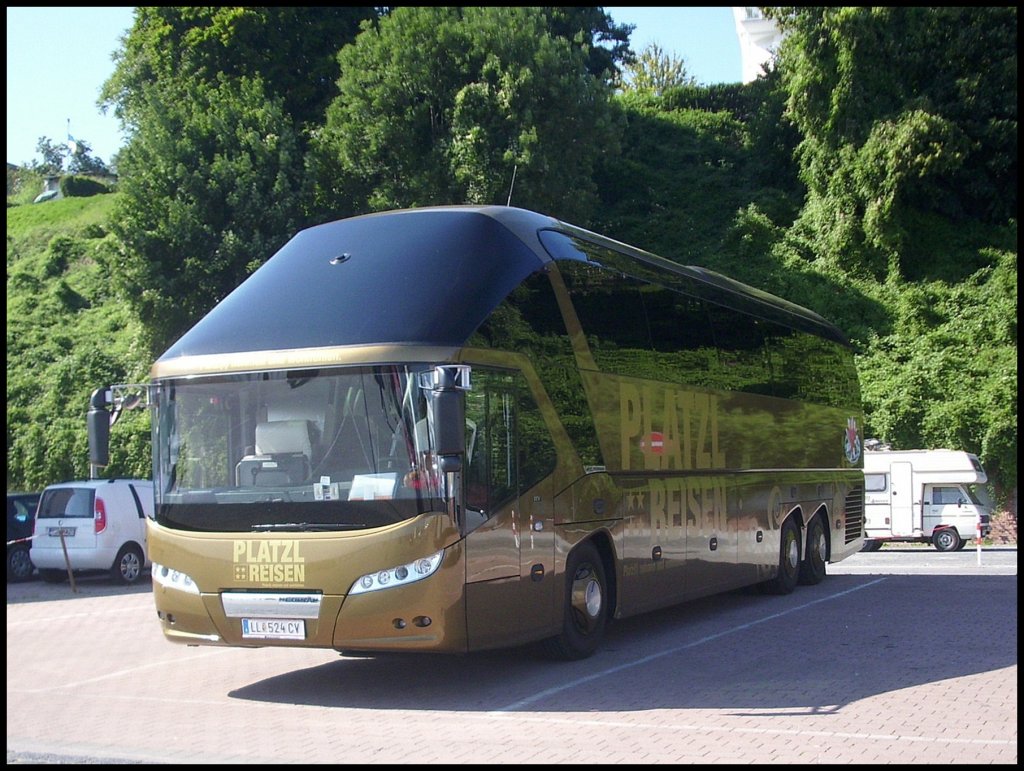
<point x="318" y="449"/>
<point x="979" y="495"/>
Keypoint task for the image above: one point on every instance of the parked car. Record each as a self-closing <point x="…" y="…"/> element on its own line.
<point x="21" y="513"/>
<point x="102" y="523"/>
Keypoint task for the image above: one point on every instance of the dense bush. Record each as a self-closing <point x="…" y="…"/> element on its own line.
<point x="81" y="187"/>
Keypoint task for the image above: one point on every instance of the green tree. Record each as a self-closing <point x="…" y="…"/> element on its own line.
<point x="445" y="105"/>
<point x="210" y="188"/>
<point x="907" y="114"/>
<point x="590" y="29"/>
<point x="82" y="160"/>
<point x="291" y="49"/>
<point x="653" y="71"/>
<point x="907" y="121"/>
<point x="217" y="104"/>
<point x="53" y="156"/>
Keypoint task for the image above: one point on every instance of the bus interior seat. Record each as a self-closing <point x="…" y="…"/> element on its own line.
<point x="282" y="454"/>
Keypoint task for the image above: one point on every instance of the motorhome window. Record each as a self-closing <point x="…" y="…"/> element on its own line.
<point x="875" y="483"/>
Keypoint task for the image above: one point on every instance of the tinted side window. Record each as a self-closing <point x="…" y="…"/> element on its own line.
<point x="741" y="351"/>
<point x="508" y="445"/>
<point x="529" y="321"/>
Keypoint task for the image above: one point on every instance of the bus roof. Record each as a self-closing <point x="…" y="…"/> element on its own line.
<point x="426" y="276"/>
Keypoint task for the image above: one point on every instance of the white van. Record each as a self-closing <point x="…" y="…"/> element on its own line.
<point x="103" y="523"/>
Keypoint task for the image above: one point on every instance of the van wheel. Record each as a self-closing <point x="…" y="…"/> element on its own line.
<point x="19" y="566"/>
<point x="52" y="576"/>
<point x="812" y="569"/>
<point x="871" y="545"/>
<point x="789" y="561"/>
<point x="128" y="565"/>
<point x="963" y="543"/>
<point x="946" y="539"/>
<point x="585" y="609"/>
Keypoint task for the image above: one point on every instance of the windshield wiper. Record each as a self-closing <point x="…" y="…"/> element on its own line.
<point x="305" y="526"/>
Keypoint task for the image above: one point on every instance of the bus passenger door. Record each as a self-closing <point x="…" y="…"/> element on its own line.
<point x="508" y="502"/>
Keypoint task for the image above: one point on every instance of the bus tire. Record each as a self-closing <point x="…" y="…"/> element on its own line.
<point x="789" y="560"/>
<point x="128" y="566"/>
<point x="946" y="539"/>
<point x="585" y="607"/>
<point x="812" y="569"/>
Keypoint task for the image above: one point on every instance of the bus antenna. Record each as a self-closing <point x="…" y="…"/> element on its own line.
<point x="512" y="186"/>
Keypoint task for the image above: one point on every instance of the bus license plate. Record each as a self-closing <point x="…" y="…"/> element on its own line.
<point x="274" y="628"/>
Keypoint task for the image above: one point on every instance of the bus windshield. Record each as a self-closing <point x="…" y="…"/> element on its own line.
<point x="320" y="449"/>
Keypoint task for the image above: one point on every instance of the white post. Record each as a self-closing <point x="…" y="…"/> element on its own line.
<point x="977" y="534"/>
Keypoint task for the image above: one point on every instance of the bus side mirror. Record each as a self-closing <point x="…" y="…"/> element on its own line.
<point x="448" y="415"/>
<point x="446" y="408"/>
<point x="98" y="422"/>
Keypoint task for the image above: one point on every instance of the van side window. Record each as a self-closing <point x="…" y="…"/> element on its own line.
<point x="941" y="495"/>
<point x="874" y="483"/>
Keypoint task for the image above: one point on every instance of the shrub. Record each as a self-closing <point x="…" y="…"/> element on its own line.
<point x="81" y="187"/>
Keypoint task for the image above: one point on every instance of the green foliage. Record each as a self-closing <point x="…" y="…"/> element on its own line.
<point x="415" y="125"/>
<point x="291" y="50"/>
<point x="67" y="332"/>
<point x="23" y="185"/>
<point x="888" y="134"/>
<point x="654" y="72"/>
<point x="870" y="176"/>
<point x="210" y="189"/>
<point x="81" y="187"/>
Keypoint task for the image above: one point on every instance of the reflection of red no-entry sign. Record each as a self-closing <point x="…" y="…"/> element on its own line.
<point x="654" y="443"/>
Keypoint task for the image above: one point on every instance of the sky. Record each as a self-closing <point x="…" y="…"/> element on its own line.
<point x="59" y="58"/>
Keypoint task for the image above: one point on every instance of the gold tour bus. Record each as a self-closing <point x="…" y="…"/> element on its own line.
<point x="462" y="428"/>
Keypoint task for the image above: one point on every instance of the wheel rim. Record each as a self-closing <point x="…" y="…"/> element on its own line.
<point x="130" y="567"/>
<point x="21" y="565"/>
<point x="793" y="552"/>
<point x="587" y="599"/>
<point x="946" y="540"/>
<point x="820" y="546"/>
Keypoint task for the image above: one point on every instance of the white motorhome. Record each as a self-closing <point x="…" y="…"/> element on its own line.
<point x="927" y="496"/>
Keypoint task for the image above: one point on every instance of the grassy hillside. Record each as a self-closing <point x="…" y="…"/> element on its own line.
<point x="66" y="335"/>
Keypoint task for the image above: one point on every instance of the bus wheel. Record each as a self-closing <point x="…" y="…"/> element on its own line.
<point x="789" y="560"/>
<point x="128" y="565"/>
<point x="812" y="569"/>
<point x="585" y="609"/>
<point x="946" y="539"/>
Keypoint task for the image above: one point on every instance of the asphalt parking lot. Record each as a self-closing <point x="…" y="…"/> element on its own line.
<point x="904" y="655"/>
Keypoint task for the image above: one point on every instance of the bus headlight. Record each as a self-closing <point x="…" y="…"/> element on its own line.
<point x="174" y="579"/>
<point x="397" y="576"/>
